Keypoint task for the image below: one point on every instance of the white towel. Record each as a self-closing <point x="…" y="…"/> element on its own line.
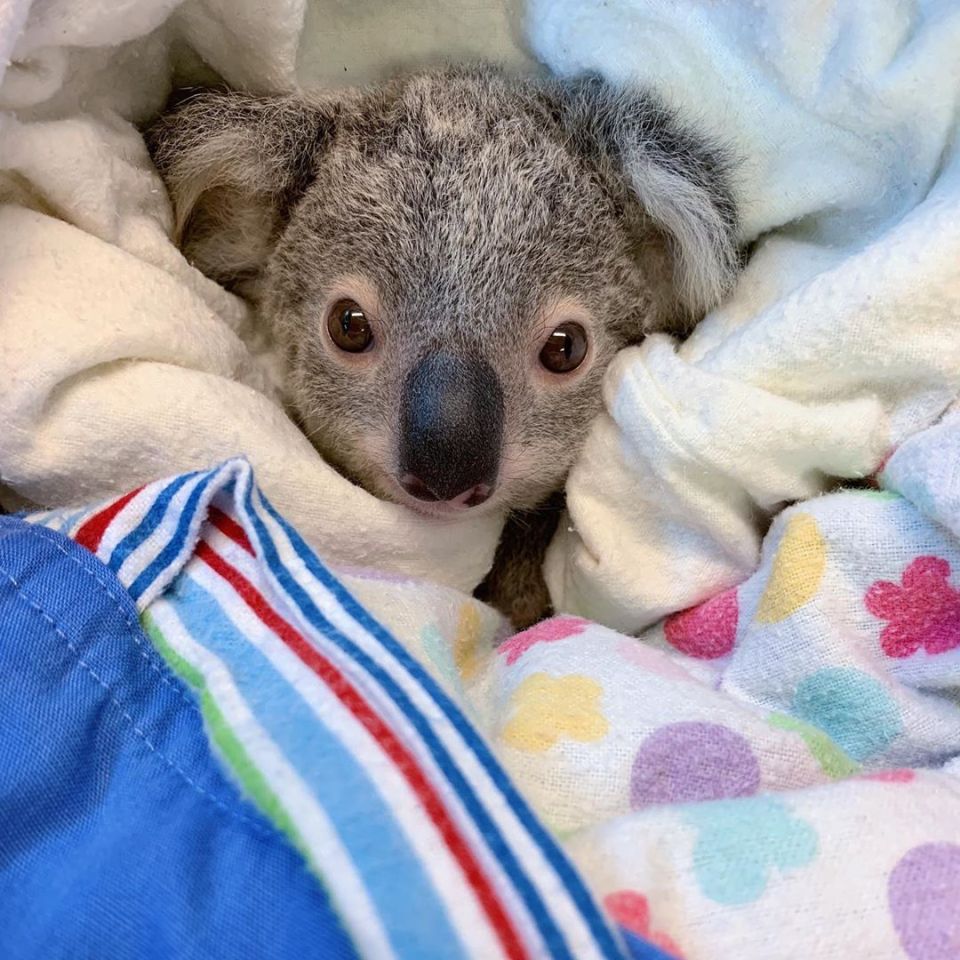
<point x="120" y="363"/>
<point x="843" y="336"/>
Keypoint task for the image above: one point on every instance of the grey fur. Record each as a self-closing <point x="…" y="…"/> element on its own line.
<point x="463" y="208"/>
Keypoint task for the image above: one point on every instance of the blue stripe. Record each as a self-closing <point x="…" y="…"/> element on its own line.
<point x="595" y="919"/>
<point x="175" y="545"/>
<point x="640" y="949"/>
<point x="67" y="520"/>
<point x="554" y="938"/>
<point x="414" y="918"/>
<point x="149" y="523"/>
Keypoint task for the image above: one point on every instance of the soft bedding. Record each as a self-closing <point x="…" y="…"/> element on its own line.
<point x="839" y="341"/>
<point x="139" y="357"/>
<point x="770" y="769"/>
<point x="330" y="728"/>
<point x="120" y="834"/>
<point x="773" y="773"/>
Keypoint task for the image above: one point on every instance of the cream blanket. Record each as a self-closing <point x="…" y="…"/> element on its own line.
<point x="119" y="363"/>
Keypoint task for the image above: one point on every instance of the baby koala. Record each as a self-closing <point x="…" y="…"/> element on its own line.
<point x="449" y="261"/>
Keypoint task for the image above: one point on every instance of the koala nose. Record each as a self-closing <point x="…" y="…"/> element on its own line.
<point x="469" y="498"/>
<point x="451" y="428"/>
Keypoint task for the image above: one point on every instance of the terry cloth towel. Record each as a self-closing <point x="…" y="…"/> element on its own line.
<point x="841" y="338"/>
<point x="119" y="362"/>
<point x="337" y="734"/>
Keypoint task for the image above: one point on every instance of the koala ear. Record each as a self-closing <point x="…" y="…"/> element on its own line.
<point x="680" y="180"/>
<point x="235" y="165"/>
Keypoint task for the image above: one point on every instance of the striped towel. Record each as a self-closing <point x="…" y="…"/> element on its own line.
<point x="339" y="736"/>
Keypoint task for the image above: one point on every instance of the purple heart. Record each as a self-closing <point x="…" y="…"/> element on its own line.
<point x="924" y="896"/>
<point x="687" y="762"/>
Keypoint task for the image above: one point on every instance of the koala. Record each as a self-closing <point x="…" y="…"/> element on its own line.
<point x="448" y="262"/>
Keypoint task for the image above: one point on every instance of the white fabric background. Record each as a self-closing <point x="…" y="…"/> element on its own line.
<point x="119" y="363"/>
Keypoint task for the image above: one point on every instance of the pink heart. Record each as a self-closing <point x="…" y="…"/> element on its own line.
<point x="547" y="631"/>
<point x="708" y="630"/>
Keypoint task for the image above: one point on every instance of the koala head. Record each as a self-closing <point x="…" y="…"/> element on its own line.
<point x="450" y="261"/>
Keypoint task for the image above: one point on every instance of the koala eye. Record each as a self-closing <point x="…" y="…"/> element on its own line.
<point x="565" y="348"/>
<point x="348" y="326"/>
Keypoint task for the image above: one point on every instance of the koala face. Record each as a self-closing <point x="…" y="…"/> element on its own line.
<point x="450" y="262"/>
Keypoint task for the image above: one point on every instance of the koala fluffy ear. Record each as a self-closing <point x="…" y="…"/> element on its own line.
<point x="235" y="165"/>
<point x="680" y="180"/>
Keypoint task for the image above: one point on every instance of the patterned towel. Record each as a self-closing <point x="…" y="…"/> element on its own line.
<point x="339" y="736"/>
<point x="774" y="773"/>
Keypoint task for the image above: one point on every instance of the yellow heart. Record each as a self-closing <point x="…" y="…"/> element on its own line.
<point x="796" y="571"/>
<point x="466" y="643"/>
<point x="547" y="708"/>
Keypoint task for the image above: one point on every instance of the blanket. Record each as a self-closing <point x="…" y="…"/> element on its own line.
<point x="844" y="120"/>
<point x="344" y="741"/>
<point x="774" y="773"/>
<point x="122" y="835"/>
<point x="119" y="362"/>
<point x="840" y="339"/>
<point x="769" y="771"/>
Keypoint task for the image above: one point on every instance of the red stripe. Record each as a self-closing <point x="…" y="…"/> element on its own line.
<point x="91" y="533"/>
<point x="354" y="701"/>
<point x="230" y="528"/>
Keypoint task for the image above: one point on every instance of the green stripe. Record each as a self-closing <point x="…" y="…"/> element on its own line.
<point x="226" y="741"/>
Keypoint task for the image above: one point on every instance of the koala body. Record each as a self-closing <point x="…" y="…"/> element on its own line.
<point x="448" y="263"/>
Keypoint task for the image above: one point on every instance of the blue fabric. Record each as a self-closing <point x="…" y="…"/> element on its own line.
<point x="119" y="835"/>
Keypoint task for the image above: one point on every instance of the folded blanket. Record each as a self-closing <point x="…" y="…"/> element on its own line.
<point x="341" y="738"/>
<point x="769" y="775"/>
<point x="119" y="362"/>
<point x="839" y="341"/>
